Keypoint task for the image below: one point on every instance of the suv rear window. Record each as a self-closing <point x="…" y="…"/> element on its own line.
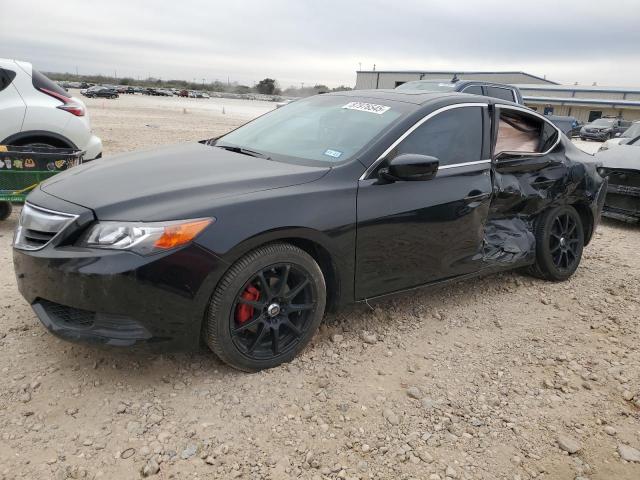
<point x="500" y="92"/>
<point x="6" y="77"/>
<point x="41" y="81"/>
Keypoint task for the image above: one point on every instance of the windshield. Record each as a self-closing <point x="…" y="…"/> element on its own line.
<point x="323" y="128"/>
<point x="632" y="132"/>
<point x="428" y="86"/>
<point x="603" y="122"/>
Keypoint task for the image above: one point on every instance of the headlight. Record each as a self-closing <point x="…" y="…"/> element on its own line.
<point x="143" y="238"/>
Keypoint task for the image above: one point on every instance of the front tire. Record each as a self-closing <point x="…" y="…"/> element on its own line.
<point x="5" y="210"/>
<point x="266" y="308"/>
<point x="559" y="243"/>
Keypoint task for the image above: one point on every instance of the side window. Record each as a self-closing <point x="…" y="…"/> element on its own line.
<point x="519" y="132"/>
<point x="473" y="90"/>
<point x="501" y="93"/>
<point x="6" y="77"/>
<point x="453" y="136"/>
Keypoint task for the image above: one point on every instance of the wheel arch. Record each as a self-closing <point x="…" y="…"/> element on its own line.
<point x="316" y="245"/>
<point x="33" y="136"/>
<point x="586" y="217"/>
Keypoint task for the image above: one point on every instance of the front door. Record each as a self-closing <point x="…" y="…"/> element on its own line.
<point x="412" y="233"/>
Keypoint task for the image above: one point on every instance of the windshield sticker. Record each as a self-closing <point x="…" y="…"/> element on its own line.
<point x="333" y="153"/>
<point x="367" y="107"/>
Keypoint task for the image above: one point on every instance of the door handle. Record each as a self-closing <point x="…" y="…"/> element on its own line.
<point x="476" y="196"/>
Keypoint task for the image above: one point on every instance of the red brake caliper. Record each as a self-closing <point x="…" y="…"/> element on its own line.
<point x="245" y="312"/>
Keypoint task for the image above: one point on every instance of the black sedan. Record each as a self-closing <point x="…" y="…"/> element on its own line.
<point x="244" y="241"/>
<point x="603" y="128"/>
<point x="101" y="92"/>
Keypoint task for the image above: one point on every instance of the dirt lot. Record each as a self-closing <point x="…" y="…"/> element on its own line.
<point x="505" y="377"/>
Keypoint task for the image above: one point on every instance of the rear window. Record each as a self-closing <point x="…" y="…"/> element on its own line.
<point x="473" y="89"/>
<point x="40" y="81"/>
<point x="6" y="77"/>
<point x="502" y="93"/>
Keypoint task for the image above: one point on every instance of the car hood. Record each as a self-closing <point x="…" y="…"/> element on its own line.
<point x="171" y="182"/>
<point x="613" y="142"/>
<point x="623" y="156"/>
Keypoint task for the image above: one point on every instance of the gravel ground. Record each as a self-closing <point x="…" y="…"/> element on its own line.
<point x="504" y="377"/>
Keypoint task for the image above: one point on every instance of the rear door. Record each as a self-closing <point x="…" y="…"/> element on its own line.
<point x="530" y="172"/>
<point x="416" y="232"/>
<point x="12" y="107"/>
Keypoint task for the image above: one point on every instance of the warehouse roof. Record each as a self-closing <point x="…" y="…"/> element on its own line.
<point x="582" y="101"/>
<point x="458" y="72"/>
<point x="577" y="88"/>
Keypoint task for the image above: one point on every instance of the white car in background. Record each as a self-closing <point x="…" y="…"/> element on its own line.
<point x="629" y="134"/>
<point x="36" y="111"/>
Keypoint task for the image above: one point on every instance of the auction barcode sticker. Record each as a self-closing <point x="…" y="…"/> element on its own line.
<point x="367" y="107"/>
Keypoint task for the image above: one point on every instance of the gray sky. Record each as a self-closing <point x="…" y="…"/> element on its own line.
<point x="323" y="41"/>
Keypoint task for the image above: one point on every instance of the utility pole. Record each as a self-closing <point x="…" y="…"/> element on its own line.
<point x="374" y="67"/>
<point x="77" y="71"/>
<point x="302" y="85"/>
<point x="359" y="66"/>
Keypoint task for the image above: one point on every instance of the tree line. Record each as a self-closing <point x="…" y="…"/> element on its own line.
<point x="267" y="86"/>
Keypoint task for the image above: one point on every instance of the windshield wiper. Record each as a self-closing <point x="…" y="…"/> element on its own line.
<point x="244" y="151"/>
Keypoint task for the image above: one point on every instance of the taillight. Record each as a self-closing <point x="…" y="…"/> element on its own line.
<point x="74" y="108"/>
<point x="68" y="105"/>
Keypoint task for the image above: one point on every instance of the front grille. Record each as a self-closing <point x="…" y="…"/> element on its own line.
<point x="38" y="226"/>
<point x="69" y="316"/>
<point x="626" y="178"/>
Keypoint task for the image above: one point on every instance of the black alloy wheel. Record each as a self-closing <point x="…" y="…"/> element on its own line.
<point x="272" y="310"/>
<point x="559" y="242"/>
<point x="266" y="308"/>
<point x="564" y="241"/>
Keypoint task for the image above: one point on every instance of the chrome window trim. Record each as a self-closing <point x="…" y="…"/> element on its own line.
<point x="535" y="114"/>
<point x="69" y="216"/>
<point x="464" y="164"/>
<point x="411" y="129"/>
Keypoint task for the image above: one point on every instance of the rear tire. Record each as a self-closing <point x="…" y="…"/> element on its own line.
<point x="559" y="242"/>
<point x="5" y="210"/>
<point x="266" y="308"/>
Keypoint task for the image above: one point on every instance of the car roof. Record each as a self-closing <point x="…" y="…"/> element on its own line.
<point x="419" y="97"/>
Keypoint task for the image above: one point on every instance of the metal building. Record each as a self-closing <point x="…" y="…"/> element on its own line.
<point x="583" y="102"/>
<point x="545" y="96"/>
<point x="390" y="79"/>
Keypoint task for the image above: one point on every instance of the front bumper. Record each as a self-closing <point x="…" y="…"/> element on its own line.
<point x="622" y="203"/>
<point x="120" y="298"/>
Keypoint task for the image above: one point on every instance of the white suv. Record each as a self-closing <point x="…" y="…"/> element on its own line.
<point x="36" y="111"/>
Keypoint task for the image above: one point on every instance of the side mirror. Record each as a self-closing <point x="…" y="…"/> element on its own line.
<point x="410" y="167"/>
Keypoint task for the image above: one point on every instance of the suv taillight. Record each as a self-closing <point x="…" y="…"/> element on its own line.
<point x="68" y="105"/>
